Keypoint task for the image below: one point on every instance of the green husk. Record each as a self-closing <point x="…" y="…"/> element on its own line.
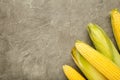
<point x="103" y="43"/>
<point x="88" y="70"/>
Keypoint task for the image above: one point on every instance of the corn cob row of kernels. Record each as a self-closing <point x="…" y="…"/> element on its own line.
<point x="103" y="43"/>
<point x="87" y="69"/>
<point x="115" y="21"/>
<point x="72" y="74"/>
<point x="100" y="62"/>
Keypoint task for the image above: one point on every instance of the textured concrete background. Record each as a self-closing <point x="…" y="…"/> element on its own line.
<point x="36" y="36"/>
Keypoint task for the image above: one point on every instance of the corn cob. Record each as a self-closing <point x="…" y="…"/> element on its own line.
<point x="103" y="43"/>
<point x="115" y="21"/>
<point x="99" y="61"/>
<point x="72" y="74"/>
<point x="88" y="70"/>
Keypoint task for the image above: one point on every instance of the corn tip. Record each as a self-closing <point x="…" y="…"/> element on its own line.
<point x="64" y="66"/>
<point x="90" y="24"/>
<point x="92" y="27"/>
<point x="78" y="41"/>
<point x="114" y="11"/>
<point x="89" y="27"/>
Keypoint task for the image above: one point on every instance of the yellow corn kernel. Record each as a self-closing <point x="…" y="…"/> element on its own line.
<point x="71" y="73"/>
<point x="115" y="21"/>
<point x="103" y="43"/>
<point x="99" y="61"/>
<point x="87" y="69"/>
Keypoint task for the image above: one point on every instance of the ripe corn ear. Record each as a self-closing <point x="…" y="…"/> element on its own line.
<point x="99" y="61"/>
<point x="103" y="43"/>
<point x="87" y="69"/>
<point x="72" y="74"/>
<point x="115" y="21"/>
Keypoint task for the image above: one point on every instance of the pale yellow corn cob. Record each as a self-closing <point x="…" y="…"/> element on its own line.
<point x="115" y="20"/>
<point x="88" y="70"/>
<point x="72" y="74"/>
<point x="99" y="61"/>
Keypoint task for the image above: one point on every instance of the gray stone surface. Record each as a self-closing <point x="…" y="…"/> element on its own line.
<point x="36" y="36"/>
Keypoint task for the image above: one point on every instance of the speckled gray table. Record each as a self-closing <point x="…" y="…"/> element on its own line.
<point x="36" y="36"/>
